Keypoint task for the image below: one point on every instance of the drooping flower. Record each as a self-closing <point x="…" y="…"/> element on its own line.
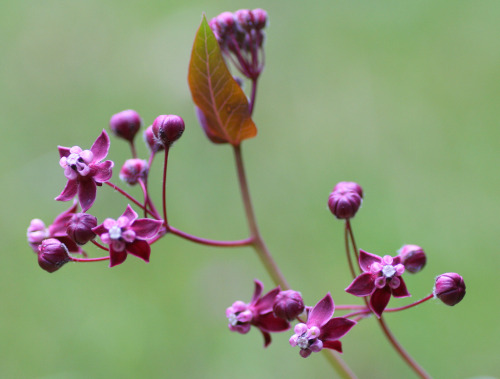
<point x="321" y="331"/>
<point x="85" y="171"/>
<point x="128" y="235"/>
<point x="381" y="278"/>
<point x="259" y="313"/>
<point x="37" y="231"/>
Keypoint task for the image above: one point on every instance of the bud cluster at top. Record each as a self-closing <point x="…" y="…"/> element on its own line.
<point x="241" y="37"/>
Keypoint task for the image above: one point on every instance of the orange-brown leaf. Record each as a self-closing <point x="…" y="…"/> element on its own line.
<point x="221" y="100"/>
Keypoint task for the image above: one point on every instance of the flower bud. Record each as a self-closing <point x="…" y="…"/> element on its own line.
<point x="413" y="258"/>
<point x="288" y="305"/>
<point x="260" y="18"/>
<point x="449" y="288"/>
<point x="344" y="203"/>
<point x="167" y="129"/>
<point x="151" y="141"/>
<point x="225" y="23"/>
<point x="80" y="228"/>
<point x="244" y="18"/>
<point x="125" y="124"/>
<point x="349" y="186"/>
<point x="52" y="254"/>
<point x="37" y="232"/>
<point x="133" y="170"/>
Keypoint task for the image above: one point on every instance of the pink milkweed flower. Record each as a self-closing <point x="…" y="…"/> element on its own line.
<point x="85" y="171"/>
<point x="128" y="234"/>
<point x="381" y="278"/>
<point x="37" y="231"/>
<point x="259" y="313"/>
<point x="321" y="331"/>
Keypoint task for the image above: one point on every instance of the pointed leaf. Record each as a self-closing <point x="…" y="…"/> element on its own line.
<point x="219" y="98"/>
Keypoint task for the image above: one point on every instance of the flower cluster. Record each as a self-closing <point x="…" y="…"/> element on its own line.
<point x="273" y="311"/>
<point x="376" y="278"/>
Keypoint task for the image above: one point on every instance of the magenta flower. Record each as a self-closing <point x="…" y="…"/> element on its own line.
<point x="37" y="231"/>
<point x="128" y="234"/>
<point x="381" y="278"/>
<point x="85" y="171"/>
<point x="321" y="330"/>
<point x="259" y="313"/>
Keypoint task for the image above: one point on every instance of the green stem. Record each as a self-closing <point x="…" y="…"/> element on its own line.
<point x="267" y="260"/>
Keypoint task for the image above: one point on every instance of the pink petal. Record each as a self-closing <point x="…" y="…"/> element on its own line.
<point x="321" y="312"/>
<point x="266" y="304"/>
<point x="130" y="214"/>
<point x="336" y="328"/>
<point x="60" y="224"/>
<point x="401" y="291"/>
<point x="145" y="228"/>
<point x="362" y="285"/>
<point x="334" y="345"/>
<point x="257" y="291"/>
<point x="267" y="338"/>
<point x="63" y="151"/>
<point x="379" y="300"/>
<point x="87" y="192"/>
<point x="116" y="257"/>
<point x="366" y="259"/>
<point x="69" y="191"/>
<point x="100" y="147"/>
<point x="270" y="323"/>
<point x="100" y="229"/>
<point x="103" y="171"/>
<point x="140" y="249"/>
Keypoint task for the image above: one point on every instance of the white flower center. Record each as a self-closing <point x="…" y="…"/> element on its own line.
<point x="115" y="232"/>
<point x="388" y="271"/>
<point x="303" y="342"/>
<point x="233" y="320"/>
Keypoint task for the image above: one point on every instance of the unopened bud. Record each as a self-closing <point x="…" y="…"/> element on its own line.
<point x="349" y="186"/>
<point x="413" y="258"/>
<point x="125" y="124"/>
<point x="245" y="19"/>
<point x="449" y="288"/>
<point x="52" y="255"/>
<point x="288" y="305"/>
<point x="167" y="129"/>
<point x="133" y="170"/>
<point x="344" y="204"/>
<point x="151" y="141"/>
<point x="80" y="228"/>
<point x="37" y="232"/>
<point x="260" y="18"/>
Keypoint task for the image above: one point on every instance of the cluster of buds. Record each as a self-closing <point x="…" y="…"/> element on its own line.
<point x="345" y="200"/>
<point x="241" y="38"/>
<point x="85" y="171"/>
<point x="274" y="311"/>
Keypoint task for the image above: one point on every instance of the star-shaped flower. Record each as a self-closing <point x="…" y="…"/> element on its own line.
<point x="85" y="171"/>
<point x="259" y="313"/>
<point x="128" y="234"/>
<point x="381" y="278"/>
<point x="321" y="331"/>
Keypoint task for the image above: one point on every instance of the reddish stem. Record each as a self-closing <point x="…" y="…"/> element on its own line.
<point x="89" y="259"/>
<point x="209" y="242"/>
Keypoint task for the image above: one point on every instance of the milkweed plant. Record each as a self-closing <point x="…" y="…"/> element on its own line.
<point x="224" y="112"/>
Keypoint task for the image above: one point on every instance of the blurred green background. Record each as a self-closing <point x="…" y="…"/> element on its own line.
<point x="402" y="97"/>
